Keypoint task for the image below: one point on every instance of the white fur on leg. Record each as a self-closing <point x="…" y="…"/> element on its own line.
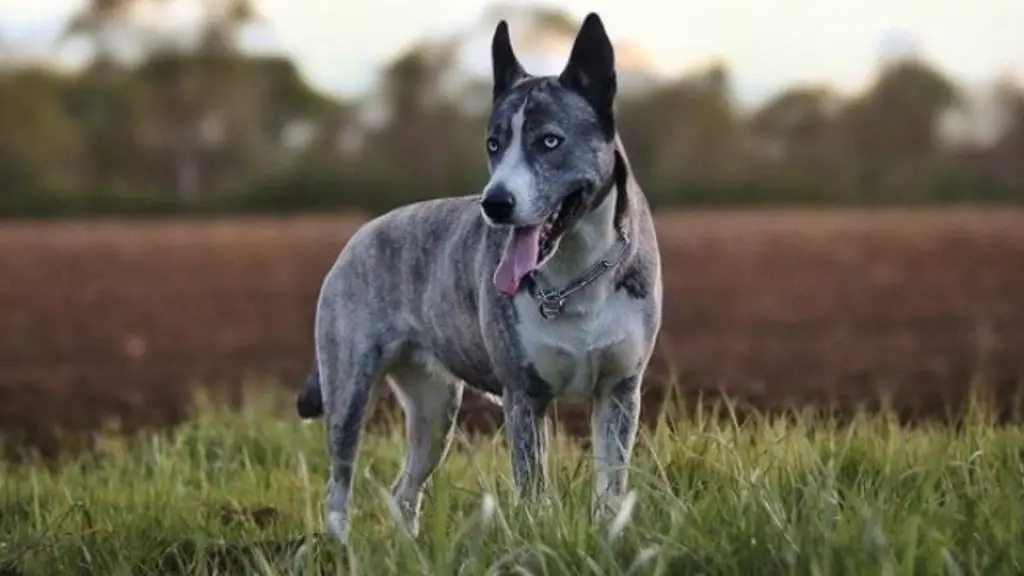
<point x="336" y="524"/>
<point x="608" y="493"/>
<point x="336" y="511"/>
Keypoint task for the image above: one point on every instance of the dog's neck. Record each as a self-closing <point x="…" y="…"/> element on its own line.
<point x="597" y="232"/>
<point x="589" y="240"/>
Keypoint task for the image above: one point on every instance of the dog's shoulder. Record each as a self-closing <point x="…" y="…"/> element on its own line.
<point x="639" y="277"/>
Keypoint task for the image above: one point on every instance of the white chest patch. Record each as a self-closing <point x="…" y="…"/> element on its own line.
<point x="588" y="348"/>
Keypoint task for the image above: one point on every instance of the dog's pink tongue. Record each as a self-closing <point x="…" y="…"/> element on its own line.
<point x="520" y="259"/>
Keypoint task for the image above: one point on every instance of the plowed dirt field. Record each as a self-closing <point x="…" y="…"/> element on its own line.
<point x="122" y="320"/>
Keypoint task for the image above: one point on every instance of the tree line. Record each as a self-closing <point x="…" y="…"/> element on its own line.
<point x="201" y="126"/>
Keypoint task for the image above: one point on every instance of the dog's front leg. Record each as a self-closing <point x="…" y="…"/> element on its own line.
<point x="526" y="431"/>
<point x="614" y="425"/>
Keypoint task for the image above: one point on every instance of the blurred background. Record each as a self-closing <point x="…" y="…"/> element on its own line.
<point x="835" y="186"/>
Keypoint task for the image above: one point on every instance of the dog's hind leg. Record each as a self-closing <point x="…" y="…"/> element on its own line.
<point x="430" y="398"/>
<point x="350" y="367"/>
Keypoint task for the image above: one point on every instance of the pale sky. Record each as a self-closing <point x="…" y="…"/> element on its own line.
<point x="766" y="43"/>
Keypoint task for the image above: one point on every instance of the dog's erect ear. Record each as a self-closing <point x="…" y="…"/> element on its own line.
<point x="507" y="70"/>
<point x="591" y="69"/>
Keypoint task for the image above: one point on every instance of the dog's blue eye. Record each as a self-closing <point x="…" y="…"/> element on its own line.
<point x="551" y="141"/>
<point x="492" y="145"/>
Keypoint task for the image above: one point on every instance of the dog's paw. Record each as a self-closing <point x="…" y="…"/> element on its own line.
<point x="405" y="512"/>
<point x="605" y="507"/>
<point x="615" y="510"/>
<point x="609" y="504"/>
<point x="336" y="525"/>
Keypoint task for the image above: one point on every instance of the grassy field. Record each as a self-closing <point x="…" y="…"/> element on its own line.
<point x="239" y="492"/>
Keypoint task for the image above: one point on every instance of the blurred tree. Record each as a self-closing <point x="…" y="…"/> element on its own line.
<point x="104" y="102"/>
<point x="222" y="19"/>
<point x="793" y="141"/>
<point x="6" y="52"/>
<point x="106" y="105"/>
<point x="892" y="131"/>
<point x="101" y="22"/>
<point x="188" y="98"/>
<point x="35" y="132"/>
<point x="1011" y="97"/>
<point x="795" y="123"/>
<point x="685" y="133"/>
<point x="1004" y="161"/>
<point x="191" y="119"/>
<point x="207" y="97"/>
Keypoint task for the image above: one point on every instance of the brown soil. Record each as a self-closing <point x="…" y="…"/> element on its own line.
<point x="114" y="320"/>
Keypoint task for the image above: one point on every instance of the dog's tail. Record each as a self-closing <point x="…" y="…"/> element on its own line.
<point x="310" y="403"/>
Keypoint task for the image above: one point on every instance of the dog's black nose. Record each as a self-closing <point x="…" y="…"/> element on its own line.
<point x="498" y="204"/>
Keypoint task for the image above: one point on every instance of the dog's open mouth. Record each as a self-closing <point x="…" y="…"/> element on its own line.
<point x="528" y="246"/>
<point x="558" y="223"/>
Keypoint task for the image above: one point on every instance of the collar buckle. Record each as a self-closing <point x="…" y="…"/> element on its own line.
<point x="552" y="303"/>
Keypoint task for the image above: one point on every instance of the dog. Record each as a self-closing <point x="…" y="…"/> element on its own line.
<point x="546" y="285"/>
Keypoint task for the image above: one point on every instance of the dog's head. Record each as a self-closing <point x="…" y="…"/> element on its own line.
<point x="550" y="146"/>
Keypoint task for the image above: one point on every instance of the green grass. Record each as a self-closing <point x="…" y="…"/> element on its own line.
<point x="772" y="496"/>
